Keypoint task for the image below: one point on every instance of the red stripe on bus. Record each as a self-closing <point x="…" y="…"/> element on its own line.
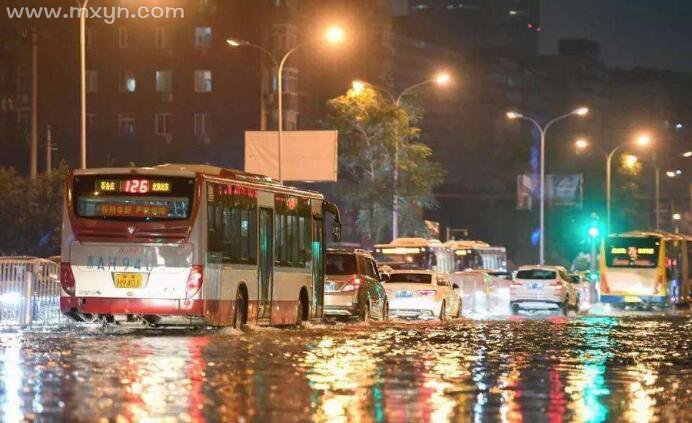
<point x="159" y="307"/>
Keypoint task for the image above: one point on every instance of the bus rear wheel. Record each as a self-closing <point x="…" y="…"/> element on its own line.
<point x="240" y="315"/>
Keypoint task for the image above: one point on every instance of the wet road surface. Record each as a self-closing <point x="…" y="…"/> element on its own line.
<point x="636" y="368"/>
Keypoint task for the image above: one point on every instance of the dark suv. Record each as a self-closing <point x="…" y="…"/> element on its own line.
<point x="353" y="286"/>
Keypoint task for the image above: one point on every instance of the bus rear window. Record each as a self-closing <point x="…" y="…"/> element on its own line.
<point x="133" y="197"/>
<point x="632" y="252"/>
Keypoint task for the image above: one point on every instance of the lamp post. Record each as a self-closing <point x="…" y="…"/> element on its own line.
<point x="334" y="35"/>
<point x="82" y="82"/>
<point x="641" y="141"/>
<point x="543" y="129"/>
<point x="441" y="79"/>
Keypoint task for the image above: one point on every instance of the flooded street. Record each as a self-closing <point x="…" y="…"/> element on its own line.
<point x="626" y="368"/>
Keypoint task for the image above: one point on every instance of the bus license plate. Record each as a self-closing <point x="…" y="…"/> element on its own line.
<point x="631" y="299"/>
<point x="128" y="280"/>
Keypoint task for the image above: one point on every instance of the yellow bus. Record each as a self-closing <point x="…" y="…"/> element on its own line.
<point x="646" y="268"/>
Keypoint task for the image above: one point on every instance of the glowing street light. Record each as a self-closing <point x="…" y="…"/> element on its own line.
<point x="543" y="129"/>
<point x="442" y="78"/>
<point x="581" y="144"/>
<point x="630" y="161"/>
<point x="333" y="35"/>
<point x="687" y="154"/>
<point x="358" y="87"/>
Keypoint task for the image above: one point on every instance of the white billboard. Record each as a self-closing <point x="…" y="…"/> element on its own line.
<point x="306" y="155"/>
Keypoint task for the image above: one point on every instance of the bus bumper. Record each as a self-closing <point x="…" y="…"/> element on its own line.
<point x="113" y="306"/>
<point x="633" y="299"/>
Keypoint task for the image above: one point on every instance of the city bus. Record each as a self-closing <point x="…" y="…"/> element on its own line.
<point x="477" y="255"/>
<point x="415" y="254"/>
<point x="191" y="244"/>
<point x="646" y="268"/>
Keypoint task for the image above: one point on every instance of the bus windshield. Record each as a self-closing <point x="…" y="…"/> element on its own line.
<point x="133" y="197"/>
<point x="403" y="261"/>
<point x="632" y="252"/>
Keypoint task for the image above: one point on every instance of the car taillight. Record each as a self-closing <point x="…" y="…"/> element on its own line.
<point x="426" y="292"/>
<point x="351" y="285"/>
<point x="556" y="282"/>
<point x="67" y="278"/>
<point x="194" y="280"/>
<point x="516" y="283"/>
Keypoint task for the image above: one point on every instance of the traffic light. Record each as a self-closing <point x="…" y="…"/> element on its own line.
<point x="594" y="232"/>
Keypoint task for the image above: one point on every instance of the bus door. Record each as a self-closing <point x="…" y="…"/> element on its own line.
<point x="318" y="251"/>
<point x="266" y="262"/>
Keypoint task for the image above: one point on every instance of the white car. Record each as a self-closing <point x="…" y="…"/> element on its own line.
<point x="422" y="294"/>
<point x="543" y="287"/>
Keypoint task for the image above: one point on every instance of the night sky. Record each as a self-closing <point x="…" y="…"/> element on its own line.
<point x="647" y="33"/>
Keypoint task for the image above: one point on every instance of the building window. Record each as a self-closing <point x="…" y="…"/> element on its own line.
<point x="162" y="125"/>
<point x="126" y="125"/>
<point x="202" y="37"/>
<point x="128" y="82"/>
<point x="203" y="81"/>
<point x="92" y="81"/>
<point x="202" y="124"/>
<point x="24" y="121"/>
<point x="123" y="37"/>
<point x="164" y="81"/>
<point x="161" y="40"/>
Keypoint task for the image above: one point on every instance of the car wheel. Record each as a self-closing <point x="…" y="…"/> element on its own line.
<point x="562" y="308"/>
<point x="577" y="304"/>
<point x="385" y="311"/>
<point x="515" y="308"/>
<point x="443" y="312"/>
<point x="459" y="311"/>
<point x="365" y="314"/>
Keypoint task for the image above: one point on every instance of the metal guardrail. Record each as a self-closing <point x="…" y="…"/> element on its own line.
<point x="29" y="291"/>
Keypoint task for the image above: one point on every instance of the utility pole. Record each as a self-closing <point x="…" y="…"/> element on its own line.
<point x="49" y="151"/>
<point x="34" y="103"/>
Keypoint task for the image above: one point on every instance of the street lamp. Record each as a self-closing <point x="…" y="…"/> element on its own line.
<point x="333" y="35"/>
<point x="687" y="154"/>
<point x="542" y="129"/>
<point x="440" y="79"/>
<point x="641" y="141"/>
<point x="82" y="81"/>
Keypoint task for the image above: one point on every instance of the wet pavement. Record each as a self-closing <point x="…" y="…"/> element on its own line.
<point x="624" y="368"/>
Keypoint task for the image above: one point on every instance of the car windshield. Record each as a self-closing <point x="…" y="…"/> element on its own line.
<point x="341" y="264"/>
<point x="541" y="274"/>
<point x="410" y="278"/>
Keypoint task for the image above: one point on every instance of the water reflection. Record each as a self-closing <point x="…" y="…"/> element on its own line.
<point x="555" y="369"/>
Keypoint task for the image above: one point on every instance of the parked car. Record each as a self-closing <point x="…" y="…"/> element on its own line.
<point x="422" y="294"/>
<point x="543" y="287"/>
<point x="353" y="286"/>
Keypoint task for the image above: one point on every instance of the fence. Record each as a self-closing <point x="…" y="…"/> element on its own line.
<point x="29" y="291"/>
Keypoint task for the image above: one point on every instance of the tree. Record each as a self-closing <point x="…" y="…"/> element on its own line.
<point x="369" y="126"/>
<point x="31" y="212"/>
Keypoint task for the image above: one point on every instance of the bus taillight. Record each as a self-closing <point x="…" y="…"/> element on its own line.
<point x="194" y="280"/>
<point x="67" y="278"/>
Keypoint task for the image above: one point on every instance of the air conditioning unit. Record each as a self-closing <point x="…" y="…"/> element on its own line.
<point x="167" y="97"/>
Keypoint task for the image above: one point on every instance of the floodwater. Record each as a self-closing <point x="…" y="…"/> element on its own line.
<point x="622" y="368"/>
